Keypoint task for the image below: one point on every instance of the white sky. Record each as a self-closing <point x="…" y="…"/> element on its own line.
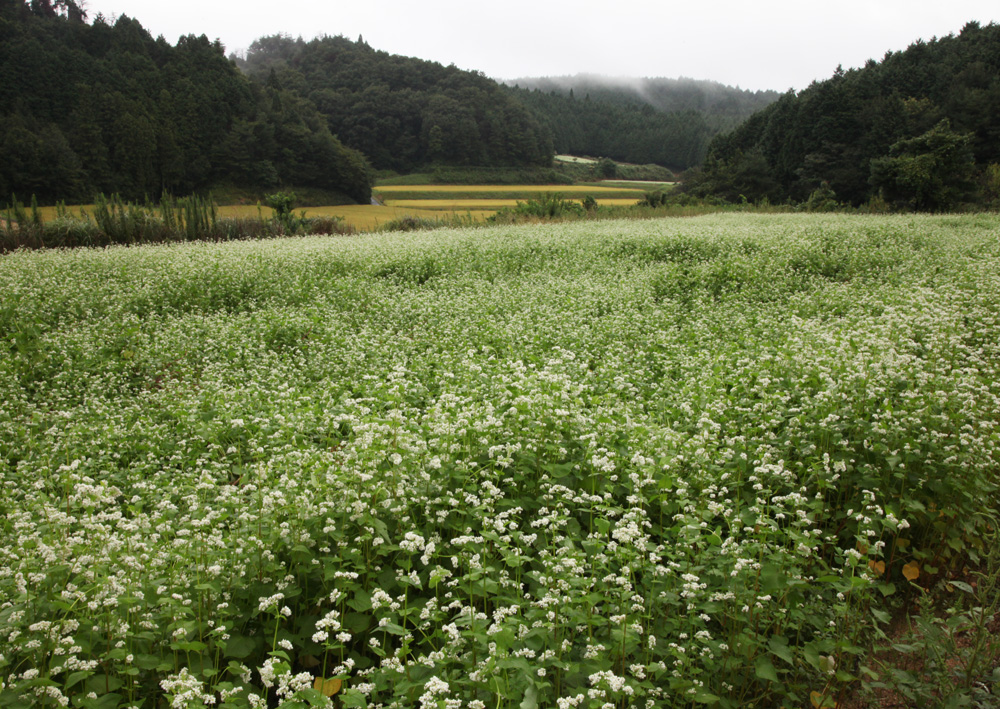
<point x="768" y="44"/>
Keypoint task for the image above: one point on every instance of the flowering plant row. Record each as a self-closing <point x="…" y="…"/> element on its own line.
<point x="615" y="464"/>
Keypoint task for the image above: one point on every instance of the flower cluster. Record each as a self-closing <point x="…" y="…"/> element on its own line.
<point x="583" y="465"/>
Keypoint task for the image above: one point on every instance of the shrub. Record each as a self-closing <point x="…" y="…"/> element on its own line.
<point x="548" y="206"/>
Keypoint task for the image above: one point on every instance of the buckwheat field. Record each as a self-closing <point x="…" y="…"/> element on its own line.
<point x="599" y="464"/>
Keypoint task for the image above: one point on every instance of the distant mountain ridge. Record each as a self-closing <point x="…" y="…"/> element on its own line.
<point x="710" y="98"/>
<point x="668" y="122"/>
<point x="407" y="114"/>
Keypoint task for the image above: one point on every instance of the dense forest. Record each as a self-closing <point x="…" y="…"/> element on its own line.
<point x="620" y="131"/>
<point x="723" y="107"/>
<point x="101" y="107"/>
<point x="406" y="113"/>
<point x="402" y="113"/>
<point x="919" y="129"/>
<point x="95" y="106"/>
<point x="669" y="122"/>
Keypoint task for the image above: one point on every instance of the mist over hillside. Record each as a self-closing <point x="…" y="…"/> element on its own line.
<point x="668" y="122"/>
<point x="724" y="106"/>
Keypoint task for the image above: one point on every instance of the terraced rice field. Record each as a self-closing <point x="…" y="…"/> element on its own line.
<point x="476" y="198"/>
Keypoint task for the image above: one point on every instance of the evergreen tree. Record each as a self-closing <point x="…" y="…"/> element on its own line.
<point x="931" y="172"/>
<point x="912" y="127"/>
<point x="106" y="108"/>
<point x="403" y="113"/>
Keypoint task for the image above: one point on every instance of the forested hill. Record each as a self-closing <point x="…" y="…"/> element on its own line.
<point x="665" y="121"/>
<point x="621" y="131"/>
<point x="403" y="113"/>
<point x="723" y="107"/>
<point x="919" y="129"/>
<point x="103" y="107"/>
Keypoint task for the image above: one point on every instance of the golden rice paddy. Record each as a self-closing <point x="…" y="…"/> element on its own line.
<point x="462" y="205"/>
<point x="475" y="201"/>
<point x="510" y="189"/>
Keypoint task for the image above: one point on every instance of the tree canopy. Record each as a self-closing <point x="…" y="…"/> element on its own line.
<point x="403" y="113"/>
<point x="104" y="107"/>
<point x="668" y="122"/>
<point x="918" y="128"/>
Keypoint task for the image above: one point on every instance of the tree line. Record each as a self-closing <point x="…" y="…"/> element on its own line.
<point x="403" y="113"/>
<point x="625" y="132"/>
<point x="668" y="122"/>
<point x="919" y="129"/>
<point x="102" y="107"/>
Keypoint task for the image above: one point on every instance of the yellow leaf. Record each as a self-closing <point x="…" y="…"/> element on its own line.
<point x="877" y="566"/>
<point x="911" y="571"/>
<point x="862" y="547"/>
<point x="819" y="700"/>
<point x="328" y="687"/>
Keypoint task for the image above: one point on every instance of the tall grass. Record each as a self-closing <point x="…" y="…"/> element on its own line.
<point x="116" y="221"/>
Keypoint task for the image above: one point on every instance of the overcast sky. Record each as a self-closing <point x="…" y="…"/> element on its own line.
<point x="768" y="44"/>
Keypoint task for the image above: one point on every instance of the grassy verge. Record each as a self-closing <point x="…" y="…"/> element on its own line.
<point x="481" y="176"/>
<point x="115" y="222"/>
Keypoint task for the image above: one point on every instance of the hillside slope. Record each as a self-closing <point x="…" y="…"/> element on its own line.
<point x="920" y="129"/>
<point x="103" y="107"/>
<point x="403" y="113"/>
<point x="669" y="122"/>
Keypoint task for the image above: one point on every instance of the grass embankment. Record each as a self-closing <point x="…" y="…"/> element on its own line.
<point x="565" y="170"/>
<point x="635" y="463"/>
<point x="483" y="176"/>
<point x="406" y="207"/>
<point x="360" y="217"/>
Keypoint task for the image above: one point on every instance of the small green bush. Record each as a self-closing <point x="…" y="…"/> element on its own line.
<point x="548" y="206"/>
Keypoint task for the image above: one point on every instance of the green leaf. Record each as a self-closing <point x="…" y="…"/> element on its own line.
<point x="778" y="646"/>
<point x="868" y="672"/>
<point x="315" y="698"/>
<point x="765" y="670"/>
<point x="76" y="678"/>
<point x="240" y="646"/>
<point x="100" y="684"/>
<point x="380" y="528"/>
<point x="393" y="629"/>
<point x="811" y="653"/>
<point x="881" y="616"/>
<point x="357" y="622"/>
<point x="353" y="698"/>
<point x="772" y="578"/>
<point x="706" y="698"/>
<point x="962" y="586"/>
<point x="361" y="602"/>
<point x="530" y="700"/>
